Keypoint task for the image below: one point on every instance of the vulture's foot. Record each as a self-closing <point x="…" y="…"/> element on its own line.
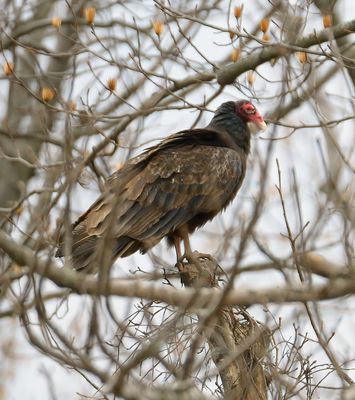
<point x="184" y="271"/>
<point x="197" y="269"/>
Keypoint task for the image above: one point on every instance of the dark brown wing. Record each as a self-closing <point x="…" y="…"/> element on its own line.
<point x="154" y="195"/>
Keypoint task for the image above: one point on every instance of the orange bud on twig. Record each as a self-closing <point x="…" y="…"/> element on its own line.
<point x="90" y="13"/>
<point x="47" y="94"/>
<point x="235" y="54"/>
<point x="327" y="21"/>
<point x="238" y="11"/>
<point x="251" y="77"/>
<point x="302" y="57"/>
<point x="112" y="83"/>
<point x="19" y="210"/>
<point x="158" y="27"/>
<point x="8" y="68"/>
<point x="56" y="22"/>
<point x="231" y="34"/>
<point x="264" y="24"/>
<point x="266" y="37"/>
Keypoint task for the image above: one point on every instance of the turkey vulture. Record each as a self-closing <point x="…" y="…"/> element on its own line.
<point x="169" y="190"/>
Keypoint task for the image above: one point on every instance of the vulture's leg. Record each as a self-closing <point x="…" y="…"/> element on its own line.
<point x="192" y="256"/>
<point x="187" y="245"/>
<point x="180" y="265"/>
<point x="184" y="234"/>
<point x="177" y="245"/>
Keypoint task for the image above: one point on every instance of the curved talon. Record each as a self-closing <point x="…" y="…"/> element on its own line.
<point x="180" y="265"/>
<point x="181" y="259"/>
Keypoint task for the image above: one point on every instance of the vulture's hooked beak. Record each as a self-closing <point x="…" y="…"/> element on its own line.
<point x="257" y="124"/>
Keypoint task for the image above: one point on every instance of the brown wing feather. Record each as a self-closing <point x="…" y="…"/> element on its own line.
<point x="152" y="197"/>
<point x="169" y="183"/>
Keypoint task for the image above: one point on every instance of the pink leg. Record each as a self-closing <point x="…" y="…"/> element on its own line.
<point x="177" y="243"/>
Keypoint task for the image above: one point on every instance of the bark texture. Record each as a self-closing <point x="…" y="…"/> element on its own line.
<point x="237" y="342"/>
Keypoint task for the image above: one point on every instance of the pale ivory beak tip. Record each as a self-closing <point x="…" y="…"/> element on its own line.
<point x="262" y="126"/>
<point x="255" y="127"/>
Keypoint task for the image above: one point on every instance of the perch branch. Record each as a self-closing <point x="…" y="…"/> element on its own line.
<point x="189" y="297"/>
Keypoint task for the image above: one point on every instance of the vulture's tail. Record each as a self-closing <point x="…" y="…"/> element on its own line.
<point x="84" y="250"/>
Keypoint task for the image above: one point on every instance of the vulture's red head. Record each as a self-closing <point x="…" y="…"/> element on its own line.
<point x="250" y="115"/>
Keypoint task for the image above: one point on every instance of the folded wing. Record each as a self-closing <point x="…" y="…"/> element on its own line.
<point x="177" y="183"/>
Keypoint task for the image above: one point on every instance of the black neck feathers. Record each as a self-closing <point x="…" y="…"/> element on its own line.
<point x="228" y="123"/>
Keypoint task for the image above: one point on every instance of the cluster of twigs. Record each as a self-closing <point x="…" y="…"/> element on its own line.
<point x="87" y="86"/>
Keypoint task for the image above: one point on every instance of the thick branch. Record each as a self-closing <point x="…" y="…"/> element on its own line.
<point x="228" y="74"/>
<point x="191" y="298"/>
<point x="325" y="6"/>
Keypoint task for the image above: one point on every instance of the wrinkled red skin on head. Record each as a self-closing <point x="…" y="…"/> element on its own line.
<point x="247" y="112"/>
